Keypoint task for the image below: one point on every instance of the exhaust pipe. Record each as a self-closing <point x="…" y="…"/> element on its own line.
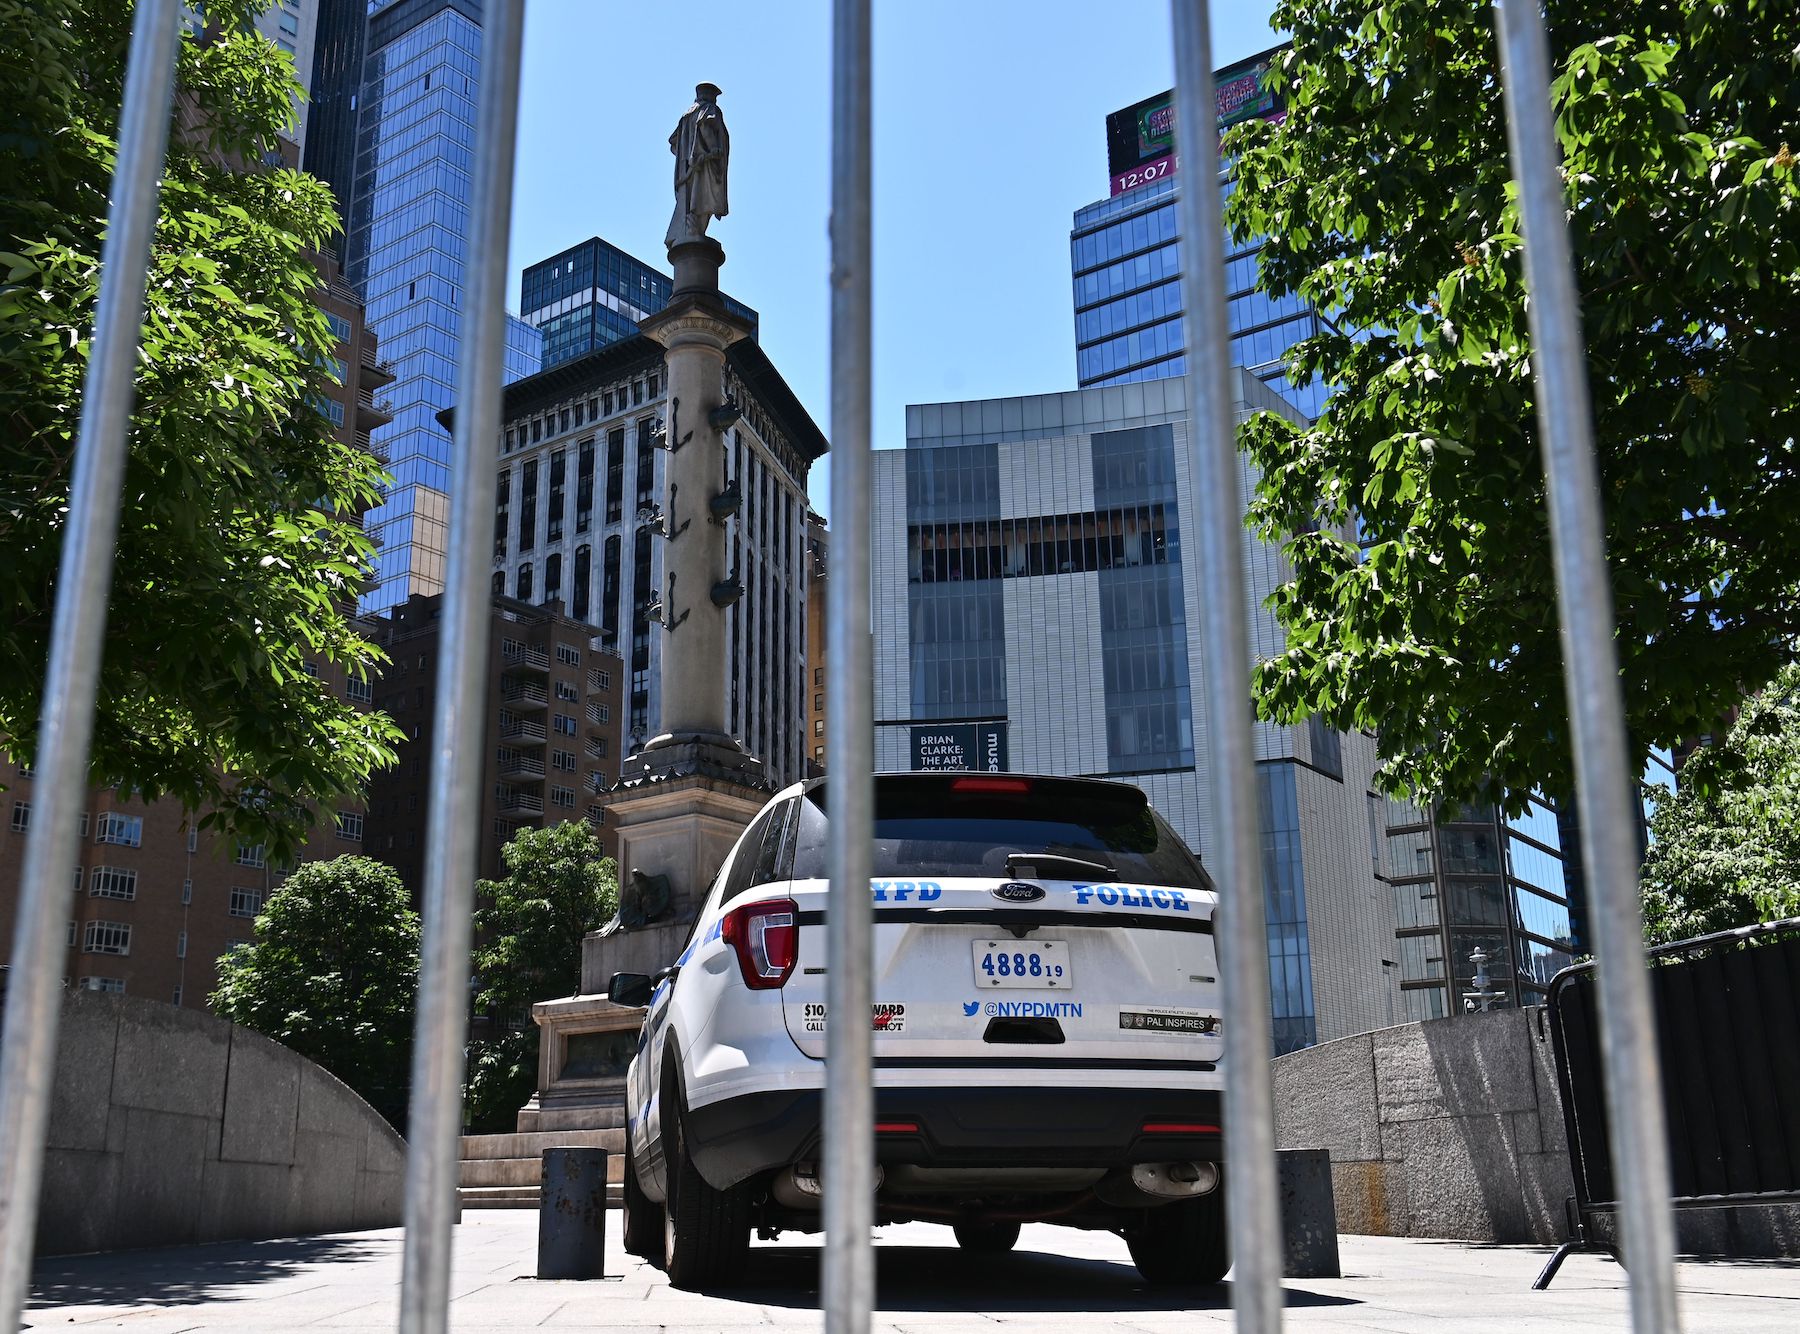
<point x="1158" y="1183"/>
<point x="798" y="1187"/>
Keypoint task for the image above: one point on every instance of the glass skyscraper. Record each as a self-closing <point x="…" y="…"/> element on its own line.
<point x="1127" y="267"/>
<point x="406" y="247"/>
<point x="594" y="294"/>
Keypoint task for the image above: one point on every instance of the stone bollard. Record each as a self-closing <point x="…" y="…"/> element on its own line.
<point x="1309" y="1235"/>
<point x="572" y="1214"/>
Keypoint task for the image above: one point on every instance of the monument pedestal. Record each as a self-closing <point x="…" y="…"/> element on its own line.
<point x="585" y="1045"/>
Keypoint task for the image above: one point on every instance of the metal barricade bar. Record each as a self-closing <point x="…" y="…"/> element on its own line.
<point x="71" y="683"/>
<point x="435" y="1124"/>
<point x="847" y="1284"/>
<point x="1591" y="673"/>
<point x="1252" y="1203"/>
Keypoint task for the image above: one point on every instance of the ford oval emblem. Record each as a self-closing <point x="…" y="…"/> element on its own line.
<point x="1014" y="892"/>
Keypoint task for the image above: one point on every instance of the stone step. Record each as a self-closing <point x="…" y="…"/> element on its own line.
<point x="522" y="1197"/>
<point x="531" y="1145"/>
<point x="537" y="1120"/>
<point x="522" y="1172"/>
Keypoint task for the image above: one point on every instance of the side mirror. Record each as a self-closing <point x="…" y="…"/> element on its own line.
<point x="630" y="989"/>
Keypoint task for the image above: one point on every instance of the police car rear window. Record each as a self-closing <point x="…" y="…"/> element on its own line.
<point x="926" y="826"/>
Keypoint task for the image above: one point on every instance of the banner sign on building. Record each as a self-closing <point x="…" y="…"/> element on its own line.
<point x="1140" y="140"/>
<point x="977" y="747"/>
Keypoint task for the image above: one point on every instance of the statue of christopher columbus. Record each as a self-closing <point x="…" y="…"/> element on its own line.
<point x="702" y="150"/>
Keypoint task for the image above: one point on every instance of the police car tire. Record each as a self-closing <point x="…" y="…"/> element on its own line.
<point x="643" y="1217"/>
<point x="706" y="1232"/>
<point x="987" y="1238"/>
<point x="1183" y="1245"/>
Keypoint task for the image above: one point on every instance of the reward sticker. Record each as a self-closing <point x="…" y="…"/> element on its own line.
<point x="815" y="1017"/>
<point x="887" y="1018"/>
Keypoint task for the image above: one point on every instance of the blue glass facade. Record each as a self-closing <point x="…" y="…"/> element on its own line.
<point x="405" y="252"/>
<point x="1128" y="310"/>
<point x="594" y="294"/>
<point x="1284" y="891"/>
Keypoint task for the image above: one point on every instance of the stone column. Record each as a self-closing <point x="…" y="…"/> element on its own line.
<point x="696" y="328"/>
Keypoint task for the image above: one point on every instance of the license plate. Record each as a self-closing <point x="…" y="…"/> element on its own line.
<point x="1023" y="963"/>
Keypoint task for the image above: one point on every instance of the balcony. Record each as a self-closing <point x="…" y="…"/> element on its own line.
<point x="524" y="695"/>
<point x="522" y="729"/>
<point x="597" y="725"/>
<point x="595" y="783"/>
<point x="520" y="765"/>
<point x="526" y="657"/>
<point x="526" y="803"/>
<point x="595" y="816"/>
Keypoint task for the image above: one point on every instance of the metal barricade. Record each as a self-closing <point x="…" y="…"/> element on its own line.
<point x="1635" y="1119"/>
<point x="1728" y="1022"/>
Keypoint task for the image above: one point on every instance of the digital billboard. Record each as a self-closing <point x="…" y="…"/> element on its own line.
<point x="977" y="747"/>
<point x="1140" y="139"/>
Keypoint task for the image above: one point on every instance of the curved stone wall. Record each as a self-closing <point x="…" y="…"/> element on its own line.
<point x="1449" y="1128"/>
<point x="170" y="1126"/>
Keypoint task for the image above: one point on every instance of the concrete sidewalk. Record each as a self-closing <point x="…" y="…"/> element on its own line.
<point x="1058" y="1280"/>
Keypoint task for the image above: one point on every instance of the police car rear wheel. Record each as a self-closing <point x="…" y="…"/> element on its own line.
<point x="1182" y="1245"/>
<point x="706" y="1232"/>
<point x="987" y="1238"/>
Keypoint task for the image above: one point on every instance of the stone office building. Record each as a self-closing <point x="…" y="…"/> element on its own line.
<point x="1036" y="600"/>
<point x="579" y="520"/>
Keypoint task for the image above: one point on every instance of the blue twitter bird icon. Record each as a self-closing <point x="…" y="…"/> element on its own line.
<point x="969" y="1007"/>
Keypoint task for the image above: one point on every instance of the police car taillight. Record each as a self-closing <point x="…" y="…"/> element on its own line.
<point x="1017" y="787"/>
<point x="766" y="937"/>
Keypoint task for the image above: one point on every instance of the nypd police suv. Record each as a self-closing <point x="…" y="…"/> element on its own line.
<point x="1045" y="1019"/>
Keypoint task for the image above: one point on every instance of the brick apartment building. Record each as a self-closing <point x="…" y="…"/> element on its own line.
<point x="551" y="743"/>
<point x="154" y="901"/>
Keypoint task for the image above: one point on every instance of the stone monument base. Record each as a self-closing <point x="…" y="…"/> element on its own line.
<point x="585" y="1046"/>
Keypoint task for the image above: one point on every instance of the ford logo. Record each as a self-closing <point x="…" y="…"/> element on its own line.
<point x="1014" y="892"/>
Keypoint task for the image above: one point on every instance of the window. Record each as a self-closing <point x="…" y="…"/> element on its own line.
<point x="359" y="691"/>
<point x="564" y="724"/>
<point x="818" y="676"/>
<point x="180" y="947"/>
<point x="600" y="679"/>
<point x="818" y="702"/>
<point x="78" y="880"/>
<point x="106" y="938"/>
<point x="552" y="576"/>
<point x="245" y="902"/>
<point x="112" y="882"/>
<point x="193" y="840"/>
<point x="311" y="669"/>
<point x="562" y="796"/>
<point x="21" y="819"/>
<point x="125" y="830"/>
<point x="350" y="826"/>
<point x="74" y="935"/>
<point x="250" y="854"/>
<point x="603" y="713"/>
<point x="114" y="985"/>
<point x="565" y="691"/>
<point x="818" y="727"/>
<point x="569" y="657"/>
<point x="522" y="587"/>
<point x="562" y="759"/>
<point x="84" y="824"/>
<point x="187" y="892"/>
<point x="177" y="997"/>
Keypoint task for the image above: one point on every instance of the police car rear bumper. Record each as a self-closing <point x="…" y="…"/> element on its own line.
<point x="982" y="1126"/>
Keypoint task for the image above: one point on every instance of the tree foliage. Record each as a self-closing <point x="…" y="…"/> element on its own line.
<point x="240" y="547"/>
<point x="558" y="887"/>
<point x="334" y="974"/>
<point x="1725" y="845"/>
<point x="1386" y="200"/>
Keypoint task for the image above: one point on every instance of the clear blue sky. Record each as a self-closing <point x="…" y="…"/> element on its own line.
<point x="989" y="132"/>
